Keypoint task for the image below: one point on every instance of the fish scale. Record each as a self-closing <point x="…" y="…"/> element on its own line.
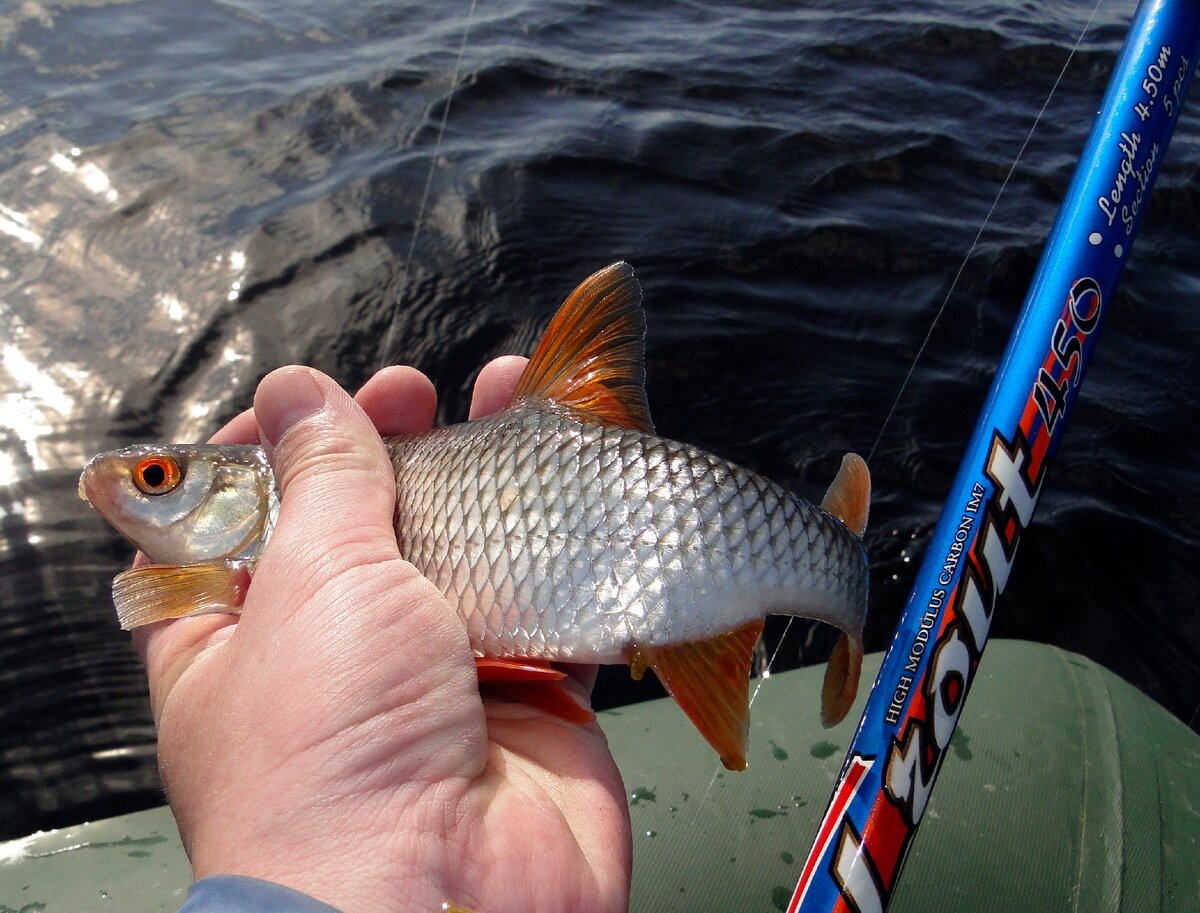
<point x="559" y="539"/>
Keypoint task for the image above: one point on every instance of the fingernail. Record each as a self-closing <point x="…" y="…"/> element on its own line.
<point x="285" y="398"/>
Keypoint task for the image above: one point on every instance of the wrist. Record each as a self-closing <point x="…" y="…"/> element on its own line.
<point x="345" y="862"/>
<point x="240" y="894"/>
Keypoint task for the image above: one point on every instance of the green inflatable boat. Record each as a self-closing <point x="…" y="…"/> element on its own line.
<point x="1066" y="790"/>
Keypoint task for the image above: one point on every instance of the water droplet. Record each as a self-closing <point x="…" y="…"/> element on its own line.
<point x="778" y="753"/>
<point x="642" y="794"/>
<point x="961" y="743"/>
<point x="766" y="813"/>
<point x="823" y="750"/>
<point x="787" y="857"/>
<point x="780" y="896"/>
<point x="651" y="833"/>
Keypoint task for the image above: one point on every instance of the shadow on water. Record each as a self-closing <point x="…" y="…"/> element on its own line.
<point x="190" y="197"/>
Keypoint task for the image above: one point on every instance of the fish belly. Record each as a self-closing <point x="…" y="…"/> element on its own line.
<point x="566" y="540"/>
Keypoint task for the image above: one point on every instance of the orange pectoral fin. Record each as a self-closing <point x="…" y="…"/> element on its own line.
<point x="156" y="592"/>
<point x="710" y="680"/>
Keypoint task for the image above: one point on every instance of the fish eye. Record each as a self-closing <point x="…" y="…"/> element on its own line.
<point x="157" y="475"/>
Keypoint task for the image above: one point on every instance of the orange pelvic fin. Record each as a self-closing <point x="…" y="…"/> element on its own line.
<point x="156" y="592"/>
<point x="710" y="680"/>
<point x="544" y="696"/>
<point x="591" y="358"/>
<point x="510" y="669"/>
<point x="530" y="681"/>
<point x="849" y="494"/>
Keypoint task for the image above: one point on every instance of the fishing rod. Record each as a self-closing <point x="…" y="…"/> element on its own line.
<point x="902" y="738"/>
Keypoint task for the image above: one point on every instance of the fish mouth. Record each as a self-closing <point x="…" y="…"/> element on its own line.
<point x="93" y="487"/>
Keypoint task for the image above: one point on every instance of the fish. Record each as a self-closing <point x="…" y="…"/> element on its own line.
<point x="562" y="529"/>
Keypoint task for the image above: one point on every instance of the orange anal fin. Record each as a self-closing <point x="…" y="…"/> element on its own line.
<point x="849" y="495"/>
<point x="710" y="680"/>
<point x="841" y="680"/>
<point x="542" y="695"/>
<point x="157" y="592"/>
<point x="591" y="359"/>
<point x="508" y="669"/>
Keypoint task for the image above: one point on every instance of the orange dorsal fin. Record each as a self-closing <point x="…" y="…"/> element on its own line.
<point x="710" y="680"/>
<point x="591" y="358"/>
<point x="156" y="592"/>
<point x="841" y="680"/>
<point x="849" y="494"/>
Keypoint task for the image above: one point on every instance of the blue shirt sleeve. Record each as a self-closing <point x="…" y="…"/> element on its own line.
<point x="239" y="894"/>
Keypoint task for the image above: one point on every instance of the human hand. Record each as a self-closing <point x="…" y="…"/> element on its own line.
<point x="333" y="738"/>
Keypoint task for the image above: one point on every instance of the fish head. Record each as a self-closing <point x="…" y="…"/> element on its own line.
<point x="185" y="504"/>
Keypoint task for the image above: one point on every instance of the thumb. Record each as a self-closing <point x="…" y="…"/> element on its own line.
<point x="335" y="618"/>
<point x="335" y="536"/>
<point x="337" y="501"/>
<point x="337" y="490"/>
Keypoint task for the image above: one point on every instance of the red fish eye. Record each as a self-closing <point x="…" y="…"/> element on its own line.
<point x="157" y="475"/>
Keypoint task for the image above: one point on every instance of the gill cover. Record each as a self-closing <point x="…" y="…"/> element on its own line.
<point x="185" y="504"/>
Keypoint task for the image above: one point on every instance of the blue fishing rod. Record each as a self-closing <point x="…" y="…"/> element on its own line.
<point x="914" y="706"/>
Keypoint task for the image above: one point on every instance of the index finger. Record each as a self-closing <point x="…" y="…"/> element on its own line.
<point x="495" y="384"/>
<point x="241" y="429"/>
<point x="398" y="400"/>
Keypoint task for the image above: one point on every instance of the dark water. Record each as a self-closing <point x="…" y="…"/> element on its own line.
<point x="192" y="193"/>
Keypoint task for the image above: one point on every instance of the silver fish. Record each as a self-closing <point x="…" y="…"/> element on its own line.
<point x="560" y="528"/>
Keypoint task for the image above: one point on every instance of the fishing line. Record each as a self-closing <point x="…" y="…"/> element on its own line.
<point x="916" y="358"/>
<point x="946" y="300"/>
<point x="975" y="243"/>
<point x="412" y="244"/>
